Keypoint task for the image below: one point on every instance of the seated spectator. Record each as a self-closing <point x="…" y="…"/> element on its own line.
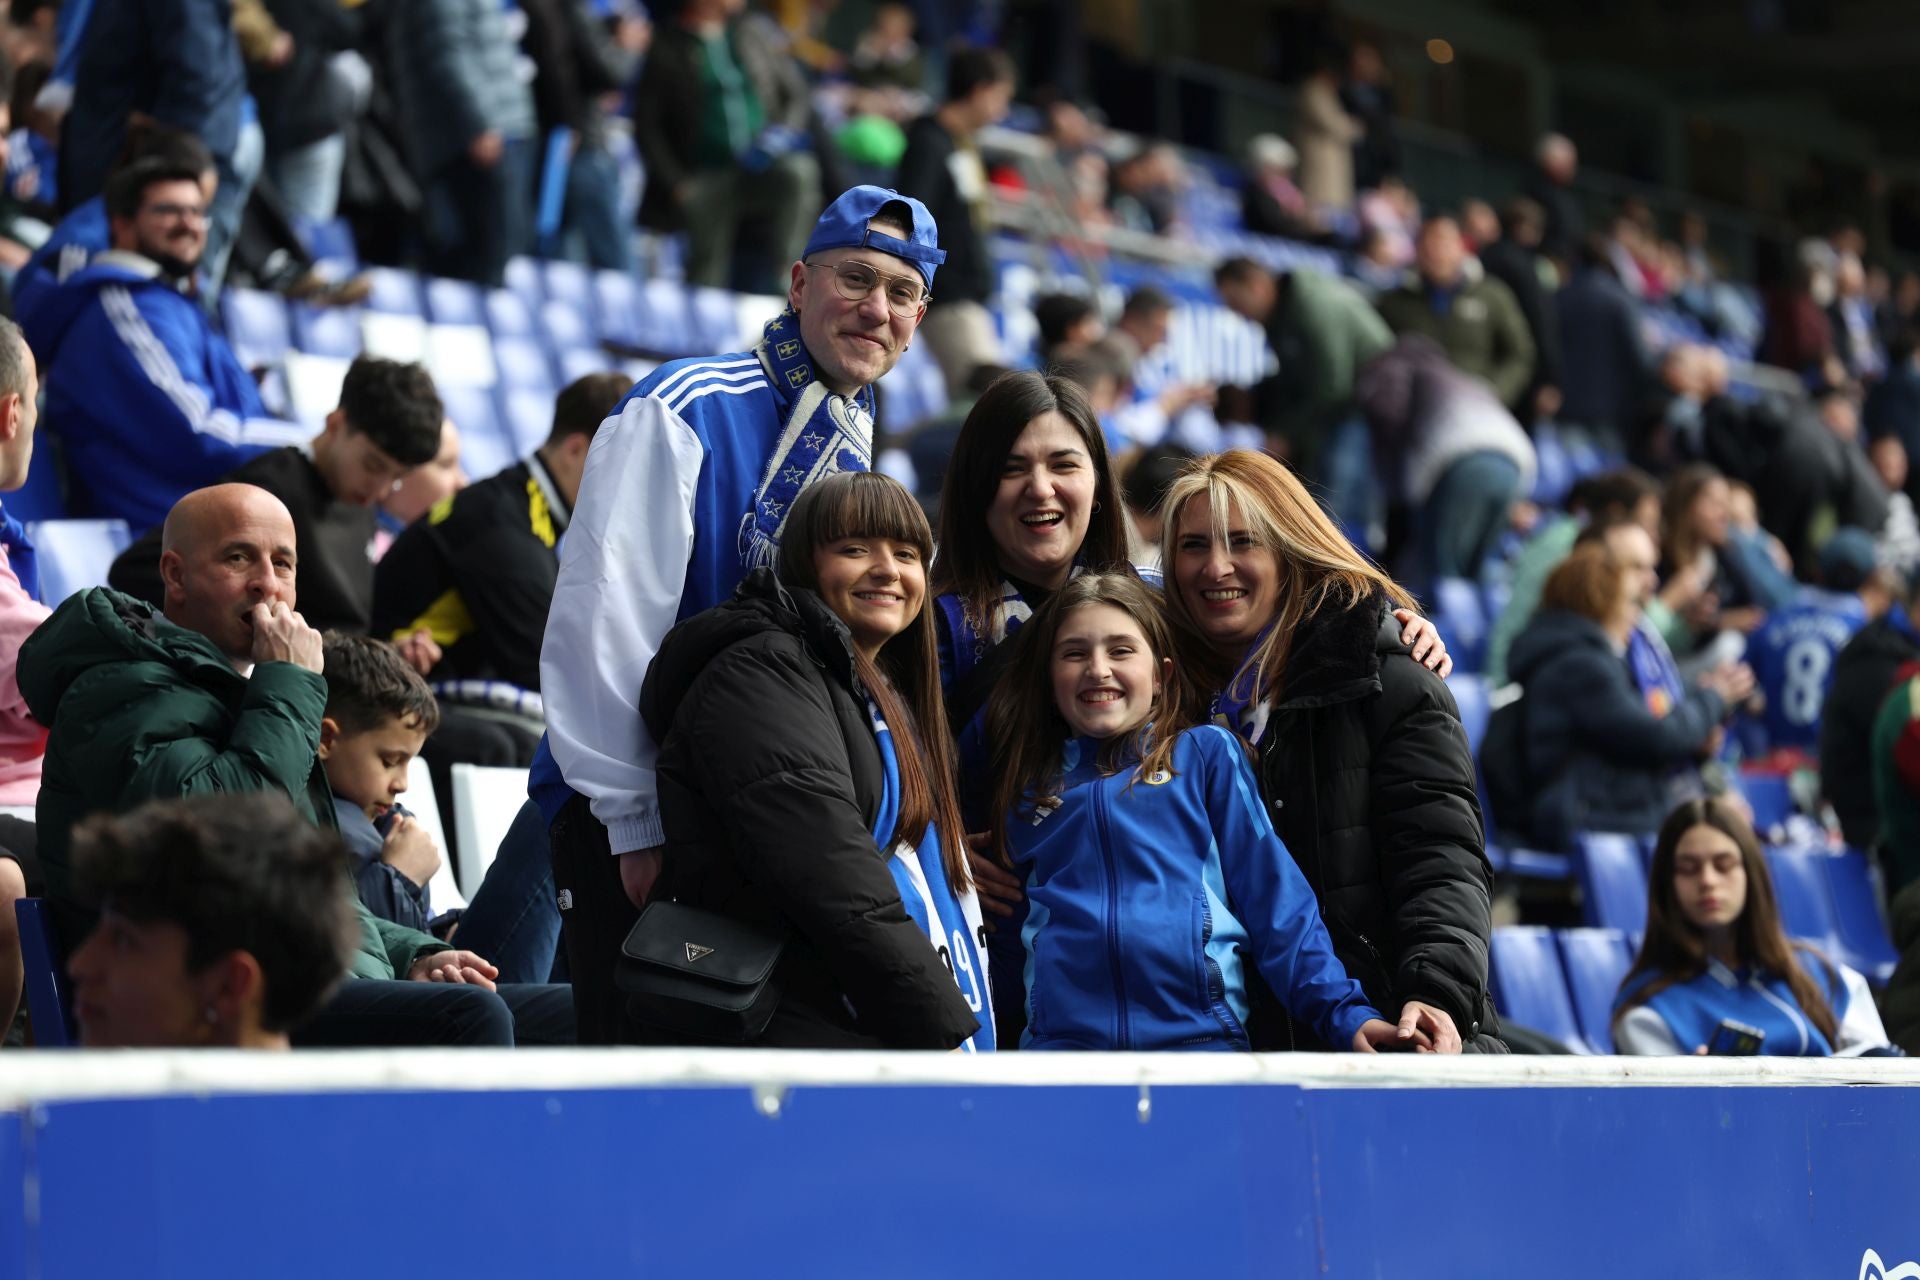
<point x="1475" y="320"/>
<point x="422" y="489"/>
<point x="1892" y="408"/>
<point x="1863" y="673"/>
<point x="1794" y="651"/>
<point x="221" y="692"/>
<point x="888" y="60"/>
<point x="1715" y="952"/>
<point x="721" y="115"/>
<point x="379" y="712"/>
<point x="477" y="573"/>
<point x="1626" y="494"/>
<point x="1068" y="322"/>
<point x="1856" y="336"/>
<point x="144" y="392"/>
<point x="23" y="740"/>
<point x="1710" y="589"/>
<point x="468" y="121"/>
<point x="1655" y="673"/>
<point x="1154" y="398"/>
<point x="1148" y="188"/>
<point x="1899" y="537"/>
<point x="1272" y="202"/>
<point x="1389" y="216"/>
<point x="1593" y="754"/>
<point x="1799" y="337"/>
<point x="223" y="924"/>
<point x="387" y="423"/>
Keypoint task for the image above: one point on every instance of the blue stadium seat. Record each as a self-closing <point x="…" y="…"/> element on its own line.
<point x="523" y="278"/>
<point x="326" y="331"/>
<point x="1805" y="901"/>
<point x="49" y="1003"/>
<point x="1528" y="986"/>
<point x="523" y="365"/>
<point x="527" y="417"/>
<point x="395" y="292"/>
<point x="567" y="325"/>
<point x="486" y="446"/>
<point x="1856" y="913"/>
<point x="568" y="282"/>
<point x="1553" y="476"/>
<point x="578" y="362"/>
<point x="509" y="315"/>
<point x="1769" y="795"/>
<point x="76" y="554"/>
<point x="1461" y="615"/>
<point x="256" y="323"/>
<point x="455" y="302"/>
<point x="1470" y="695"/>
<point x="1595" y="961"/>
<point x="716" y="319"/>
<point x="622" y="317"/>
<point x="331" y="242"/>
<point x="663" y="317"/>
<point x="1613" y="880"/>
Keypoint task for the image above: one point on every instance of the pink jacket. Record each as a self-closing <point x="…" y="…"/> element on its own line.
<point x="22" y="739"/>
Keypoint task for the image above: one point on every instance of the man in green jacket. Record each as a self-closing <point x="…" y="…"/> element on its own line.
<point x="1322" y="332"/>
<point x="221" y="692"/>
<point x="1475" y="319"/>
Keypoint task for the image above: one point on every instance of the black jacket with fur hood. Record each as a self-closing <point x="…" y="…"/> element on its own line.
<point x="1365" y="768"/>
<point x="770" y="780"/>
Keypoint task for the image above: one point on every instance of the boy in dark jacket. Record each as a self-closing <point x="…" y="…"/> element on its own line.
<point x="379" y="712"/>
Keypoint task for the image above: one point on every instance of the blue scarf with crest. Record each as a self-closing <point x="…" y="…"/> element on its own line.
<point x="822" y="434"/>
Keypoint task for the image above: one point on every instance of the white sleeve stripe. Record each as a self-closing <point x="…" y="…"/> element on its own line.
<point x="720" y="387"/>
<point x="155" y="361"/>
<point x="681" y="393"/>
<point x="671" y="382"/>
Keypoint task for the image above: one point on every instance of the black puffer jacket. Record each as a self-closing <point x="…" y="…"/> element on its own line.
<point x="770" y="779"/>
<point x="1370" y="783"/>
<point x="1862" y="675"/>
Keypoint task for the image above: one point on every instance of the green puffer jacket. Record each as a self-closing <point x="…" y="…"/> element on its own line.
<point x="142" y="709"/>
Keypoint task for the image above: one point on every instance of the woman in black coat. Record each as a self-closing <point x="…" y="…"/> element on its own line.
<point x="799" y="793"/>
<point x="1595" y="756"/>
<point x="1362" y="760"/>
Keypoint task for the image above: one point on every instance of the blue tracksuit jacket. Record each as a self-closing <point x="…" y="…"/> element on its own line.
<point x="1148" y="896"/>
<point x="144" y="393"/>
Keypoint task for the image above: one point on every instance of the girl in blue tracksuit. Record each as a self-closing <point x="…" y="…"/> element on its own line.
<point x="1152" y="873"/>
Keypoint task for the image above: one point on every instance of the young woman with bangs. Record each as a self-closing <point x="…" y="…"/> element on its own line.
<point x="806" y="780"/>
<point x="1362" y="761"/>
<point x="1715" y="954"/>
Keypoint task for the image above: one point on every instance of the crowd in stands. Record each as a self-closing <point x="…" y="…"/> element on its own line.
<point x="1225" y="649"/>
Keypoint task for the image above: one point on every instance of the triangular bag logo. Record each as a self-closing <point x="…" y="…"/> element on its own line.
<point x="697" y="952"/>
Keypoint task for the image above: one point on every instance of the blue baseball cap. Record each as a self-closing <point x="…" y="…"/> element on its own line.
<point x="1848" y="559"/>
<point x="844" y="226"/>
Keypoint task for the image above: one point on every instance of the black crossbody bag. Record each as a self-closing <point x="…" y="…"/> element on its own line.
<point x="703" y="975"/>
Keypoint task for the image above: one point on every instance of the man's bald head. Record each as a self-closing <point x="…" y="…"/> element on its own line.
<point x="224" y="550"/>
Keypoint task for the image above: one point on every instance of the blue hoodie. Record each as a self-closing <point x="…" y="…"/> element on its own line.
<point x="1147" y="896"/>
<point x="145" y="394"/>
<point x="77" y="238"/>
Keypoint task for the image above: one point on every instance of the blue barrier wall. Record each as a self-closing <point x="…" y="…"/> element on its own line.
<point x="966" y="1179"/>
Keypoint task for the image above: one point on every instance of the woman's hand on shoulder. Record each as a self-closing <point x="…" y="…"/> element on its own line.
<point x="1421" y="636"/>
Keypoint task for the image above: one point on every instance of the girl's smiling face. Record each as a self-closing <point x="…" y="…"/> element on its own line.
<point x="1105" y="678"/>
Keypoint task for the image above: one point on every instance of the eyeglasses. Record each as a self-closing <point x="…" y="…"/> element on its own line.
<point x="856" y="280"/>
<point x="183" y="212"/>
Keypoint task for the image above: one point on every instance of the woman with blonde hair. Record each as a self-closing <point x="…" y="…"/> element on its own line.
<point x="1362" y="761"/>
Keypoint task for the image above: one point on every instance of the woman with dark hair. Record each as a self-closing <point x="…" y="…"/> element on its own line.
<point x="1363" y="763"/>
<point x="806" y="781"/>
<point x="1715" y="954"/>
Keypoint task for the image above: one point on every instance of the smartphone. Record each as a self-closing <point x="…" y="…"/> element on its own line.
<point x="1735" y="1040"/>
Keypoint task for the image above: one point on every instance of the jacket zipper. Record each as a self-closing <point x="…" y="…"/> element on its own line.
<point x="1113" y="907"/>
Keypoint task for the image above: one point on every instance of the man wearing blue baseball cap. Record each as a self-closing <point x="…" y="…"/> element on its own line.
<point x="687" y="488"/>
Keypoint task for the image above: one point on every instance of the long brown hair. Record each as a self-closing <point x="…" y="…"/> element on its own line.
<point x="1024" y="723"/>
<point x="1682" y="542"/>
<point x="1318" y="567"/>
<point x="904" y="680"/>
<point x="969" y="560"/>
<point x="1675" y="952"/>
